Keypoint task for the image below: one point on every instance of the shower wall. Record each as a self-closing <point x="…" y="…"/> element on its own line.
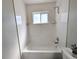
<point x="72" y="24"/>
<point x="21" y="19"/>
<point x="42" y="35"/>
<point x="61" y="19"/>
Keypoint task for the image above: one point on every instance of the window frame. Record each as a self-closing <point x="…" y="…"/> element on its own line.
<point x="40" y="12"/>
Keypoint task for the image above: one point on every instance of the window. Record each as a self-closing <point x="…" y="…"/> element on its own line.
<point x="40" y="17"/>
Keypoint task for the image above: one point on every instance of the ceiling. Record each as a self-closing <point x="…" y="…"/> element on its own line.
<point x="38" y="1"/>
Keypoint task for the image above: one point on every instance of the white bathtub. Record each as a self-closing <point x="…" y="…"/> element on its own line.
<point x="42" y="49"/>
<point x="42" y="53"/>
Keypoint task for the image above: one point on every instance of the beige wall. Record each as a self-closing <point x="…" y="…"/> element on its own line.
<point x="42" y="35"/>
<point x="42" y="7"/>
<point x="38" y="1"/>
<point x="22" y="28"/>
<point x="72" y="24"/>
<point x="10" y="47"/>
<point x="61" y="20"/>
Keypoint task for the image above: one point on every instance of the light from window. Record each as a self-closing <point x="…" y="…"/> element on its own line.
<point x="36" y="18"/>
<point x="40" y="17"/>
<point x="44" y="18"/>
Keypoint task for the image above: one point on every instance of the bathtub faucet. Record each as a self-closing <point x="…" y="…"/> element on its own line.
<point x="57" y="42"/>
